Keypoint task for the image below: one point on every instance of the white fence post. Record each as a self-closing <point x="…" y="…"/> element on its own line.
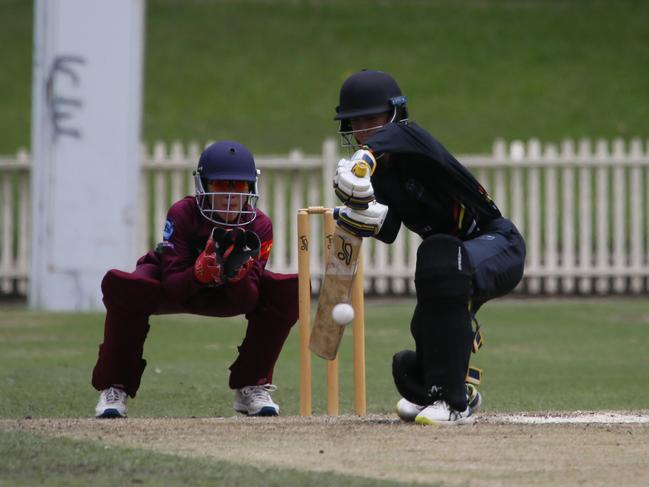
<point x="601" y="220"/>
<point x="7" y="231"/>
<point x="516" y="154"/>
<point x="22" y="258"/>
<point x="280" y="221"/>
<point x="550" y="212"/>
<point x="619" y="198"/>
<point x="500" y="173"/>
<point x="568" y="220"/>
<point x="143" y="230"/>
<point x="159" y="188"/>
<point x="176" y="158"/>
<point x="330" y="157"/>
<point x="646" y="207"/>
<point x="636" y="210"/>
<point x="263" y="188"/>
<point x="534" y="209"/>
<point x="585" y="217"/>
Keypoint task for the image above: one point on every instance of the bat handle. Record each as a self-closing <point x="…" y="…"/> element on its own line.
<point x="360" y="169"/>
<point x="365" y="161"/>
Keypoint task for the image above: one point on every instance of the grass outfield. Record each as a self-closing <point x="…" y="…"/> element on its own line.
<point x="539" y="356"/>
<point x="268" y="73"/>
<point x="563" y="355"/>
<point x="67" y="462"/>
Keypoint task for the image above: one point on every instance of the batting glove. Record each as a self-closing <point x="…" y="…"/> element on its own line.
<point x="352" y="180"/>
<point x="362" y="223"/>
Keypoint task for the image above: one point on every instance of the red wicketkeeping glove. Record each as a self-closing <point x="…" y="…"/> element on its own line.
<point x="208" y="266"/>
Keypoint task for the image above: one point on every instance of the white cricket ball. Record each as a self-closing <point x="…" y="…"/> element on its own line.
<point x="342" y="313"/>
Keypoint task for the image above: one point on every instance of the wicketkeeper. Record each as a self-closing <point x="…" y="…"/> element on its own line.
<point x="211" y="262"/>
<point x="469" y="253"/>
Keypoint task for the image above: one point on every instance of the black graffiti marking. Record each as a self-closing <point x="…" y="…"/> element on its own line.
<point x="304" y="243"/>
<point x="63" y="108"/>
<point x="346" y="253"/>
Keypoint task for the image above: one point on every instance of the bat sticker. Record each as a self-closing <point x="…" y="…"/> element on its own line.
<point x="304" y="243"/>
<point x="346" y="253"/>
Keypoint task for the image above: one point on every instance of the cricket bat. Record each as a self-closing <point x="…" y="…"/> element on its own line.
<point x="336" y="288"/>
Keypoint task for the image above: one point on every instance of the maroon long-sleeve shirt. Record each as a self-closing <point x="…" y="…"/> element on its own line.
<point x="185" y="235"/>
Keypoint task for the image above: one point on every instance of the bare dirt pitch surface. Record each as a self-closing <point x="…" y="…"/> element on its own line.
<point x="594" y="449"/>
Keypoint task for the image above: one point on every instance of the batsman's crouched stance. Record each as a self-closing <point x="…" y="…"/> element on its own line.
<point x="211" y="262"/>
<point x="469" y="252"/>
<point x="477" y="270"/>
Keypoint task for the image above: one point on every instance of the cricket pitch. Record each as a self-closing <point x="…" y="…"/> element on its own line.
<point x="596" y="448"/>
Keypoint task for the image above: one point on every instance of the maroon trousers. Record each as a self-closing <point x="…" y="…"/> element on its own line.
<point x="131" y="298"/>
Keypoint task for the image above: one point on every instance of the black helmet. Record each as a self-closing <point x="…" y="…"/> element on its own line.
<point x="367" y="93"/>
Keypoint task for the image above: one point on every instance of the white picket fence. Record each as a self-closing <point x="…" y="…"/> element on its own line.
<point x="14" y="223"/>
<point x="583" y="208"/>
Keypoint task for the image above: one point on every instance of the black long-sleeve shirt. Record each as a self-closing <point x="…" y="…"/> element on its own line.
<point x="424" y="186"/>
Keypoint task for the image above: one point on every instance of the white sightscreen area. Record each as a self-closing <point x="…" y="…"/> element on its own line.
<point x="86" y="113"/>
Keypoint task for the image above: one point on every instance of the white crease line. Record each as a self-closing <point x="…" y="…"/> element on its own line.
<point x="586" y="418"/>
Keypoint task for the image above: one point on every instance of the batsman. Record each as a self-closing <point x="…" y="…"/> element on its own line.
<point x="211" y="262"/>
<point x="469" y="253"/>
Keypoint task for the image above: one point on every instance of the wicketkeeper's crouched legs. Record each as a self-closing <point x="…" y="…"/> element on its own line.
<point x="268" y="327"/>
<point x="130" y="298"/>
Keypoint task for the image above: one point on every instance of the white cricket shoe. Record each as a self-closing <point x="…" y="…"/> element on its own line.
<point x="440" y="413"/>
<point x="256" y="400"/>
<point x="112" y="403"/>
<point x="407" y="410"/>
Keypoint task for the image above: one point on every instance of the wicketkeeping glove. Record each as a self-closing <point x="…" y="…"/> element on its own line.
<point x="245" y="250"/>
<point x="352" y="180"/>
<point x="209" y="266"/>
<point x="362" y="223"/>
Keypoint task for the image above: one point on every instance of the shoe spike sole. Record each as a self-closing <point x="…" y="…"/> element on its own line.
<point x="111" y="413"/>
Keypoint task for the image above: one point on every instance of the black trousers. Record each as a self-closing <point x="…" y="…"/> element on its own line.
<point x="497" y="258"/>
<point x="442" y="329"/>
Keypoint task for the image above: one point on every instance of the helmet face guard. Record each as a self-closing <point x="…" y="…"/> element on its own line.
<point x="226" y="208"/>
<point x="227" y="161"/>
<point x="348" y="135"/>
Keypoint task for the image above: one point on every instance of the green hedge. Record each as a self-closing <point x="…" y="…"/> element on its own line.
<point x="268" y="73"/>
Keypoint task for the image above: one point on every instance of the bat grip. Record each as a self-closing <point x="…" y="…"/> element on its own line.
<point x="360" y="169"/>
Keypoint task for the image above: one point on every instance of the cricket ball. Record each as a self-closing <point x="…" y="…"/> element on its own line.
<point x="342" y="313"/>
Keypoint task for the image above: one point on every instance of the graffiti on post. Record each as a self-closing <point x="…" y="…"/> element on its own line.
<point x="62" y="79"/>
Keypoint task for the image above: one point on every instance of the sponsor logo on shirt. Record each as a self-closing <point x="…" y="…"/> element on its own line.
<point x="168" y="230"/>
